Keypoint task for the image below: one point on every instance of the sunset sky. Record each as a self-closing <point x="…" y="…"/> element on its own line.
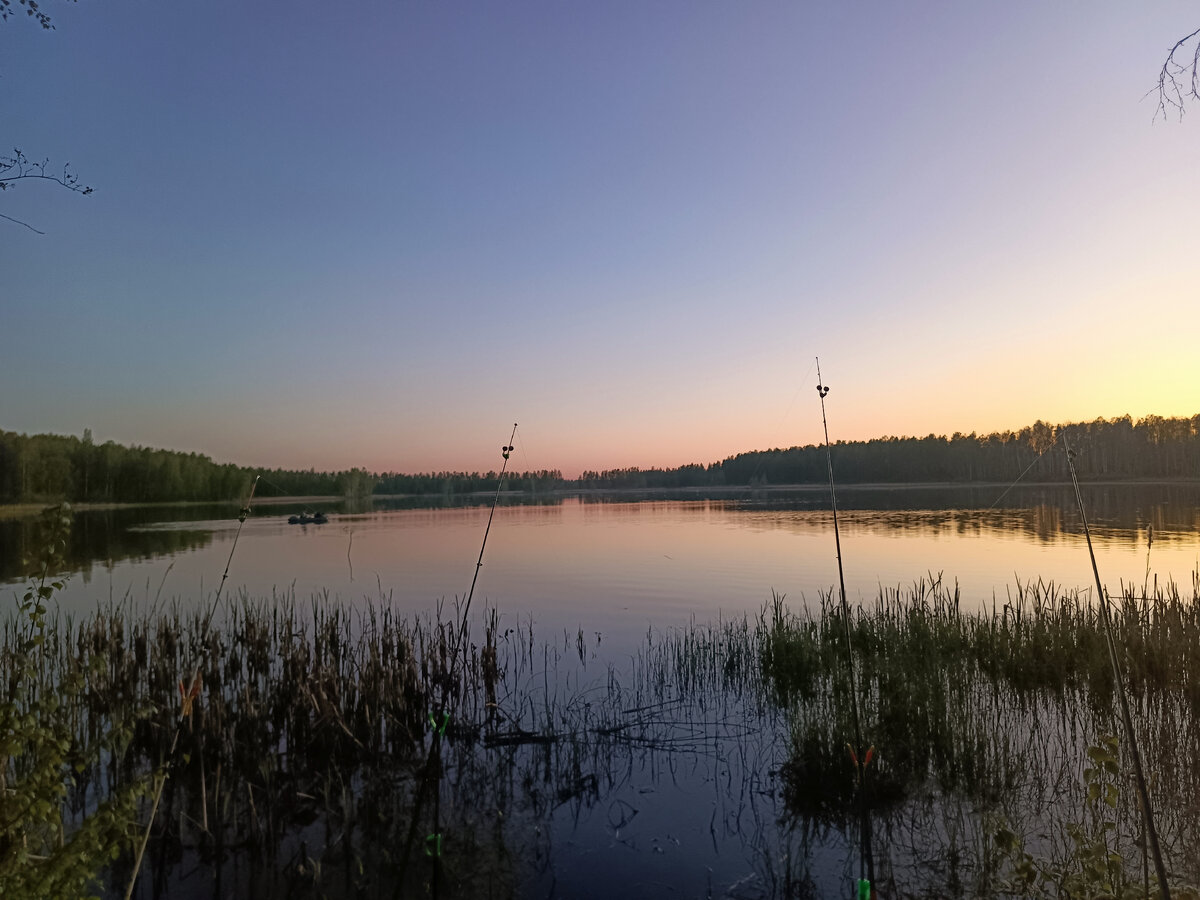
<point x="377" y="234"/>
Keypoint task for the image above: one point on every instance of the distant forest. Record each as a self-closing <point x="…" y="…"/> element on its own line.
<point x="43" y="467"/>
<point x="1153" y="447"/>
<point x="48" y="467"/>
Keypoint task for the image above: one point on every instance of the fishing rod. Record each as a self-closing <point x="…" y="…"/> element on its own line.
<point x="439" y="721"/>
<point x="860" y="755"/>
<point x="506" y="450"/>
<point x="242" y="515"/>
<point x="241" y="521"/>
<point x="1127" y="719"/>
<point x="187" y="697"/>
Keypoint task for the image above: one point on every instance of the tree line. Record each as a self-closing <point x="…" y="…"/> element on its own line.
<point x="1152" y="447"/>
<point x="1119" y="448"/>
<point x="45" y="467"/>
<point x="48" y="467"/>
<point x="690" y="475"/>
<point x="469" y="482"/>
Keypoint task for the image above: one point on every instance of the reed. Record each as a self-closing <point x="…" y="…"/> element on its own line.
<point x="297" y="771"/>
<point x="996" y="708"/>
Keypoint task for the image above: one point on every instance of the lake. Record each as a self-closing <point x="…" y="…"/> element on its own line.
<point x="618" y="566"/>
<point x="660" y="759"/>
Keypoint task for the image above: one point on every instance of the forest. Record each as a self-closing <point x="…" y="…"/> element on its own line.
<point x="1106" y="449"/>
<point x="44" y="468"/>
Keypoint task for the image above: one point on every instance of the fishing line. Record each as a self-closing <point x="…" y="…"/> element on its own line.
<point x="782" y="423"/>
<point x="525" y="454"/>
<point x="862" y="755"/>
<point x="283" y="492"/>
<point x="779" y="427"/>
<point x="1036" y="459"/>
<point x="1135" y="755"/>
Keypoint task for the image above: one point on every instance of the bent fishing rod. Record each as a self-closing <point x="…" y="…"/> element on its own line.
<point x="438" y="721"/>
<point x="1127" y="719"/>
<point x="860" y="754"/>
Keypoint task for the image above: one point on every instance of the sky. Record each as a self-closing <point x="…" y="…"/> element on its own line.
<point x="378" y="234"/>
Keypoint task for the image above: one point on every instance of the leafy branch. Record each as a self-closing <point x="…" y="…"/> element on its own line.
<point x="42" y="852"/>
<point x="32" y="10"/>
<point x="1093" y="865"/>
<point x="19" y="166"/>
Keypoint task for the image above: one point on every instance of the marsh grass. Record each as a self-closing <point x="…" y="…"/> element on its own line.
<point x="984" y="720"/>
<point x="296" y="772"/>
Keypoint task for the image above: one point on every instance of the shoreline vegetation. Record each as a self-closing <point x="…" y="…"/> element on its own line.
<point x="291" y="735"/>
<point x="44" y="468"/>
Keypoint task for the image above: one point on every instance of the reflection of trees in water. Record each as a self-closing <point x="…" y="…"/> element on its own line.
<point x="1117" y="513"/>
<point x="98" y="538"/>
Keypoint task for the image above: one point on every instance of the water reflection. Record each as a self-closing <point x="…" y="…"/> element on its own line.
<point x="617" y="565"/>
<point x="1115" y="512"/>
<point x="103" y="538"/>
<point x="1170" y="506"/>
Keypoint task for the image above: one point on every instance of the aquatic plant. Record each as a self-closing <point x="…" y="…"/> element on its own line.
<point x="297" y="770"/>
<point x="1090" y="865"/>
<point x="43" y="851"/>
<point x="987" y="709"/>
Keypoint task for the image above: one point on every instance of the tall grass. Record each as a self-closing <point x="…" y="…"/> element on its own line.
<point x="990" y="712"/>
<point x="296" y="772"/>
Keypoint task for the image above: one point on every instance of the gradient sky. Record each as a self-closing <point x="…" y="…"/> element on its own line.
<point x="377" y="234"/>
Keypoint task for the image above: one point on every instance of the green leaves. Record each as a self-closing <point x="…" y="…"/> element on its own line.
<point x="1094" y="866"/>
<point x="39" y="759"/>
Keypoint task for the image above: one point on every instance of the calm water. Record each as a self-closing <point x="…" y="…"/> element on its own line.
<point x="619" y="566"/>
<point x="697" y="810"/>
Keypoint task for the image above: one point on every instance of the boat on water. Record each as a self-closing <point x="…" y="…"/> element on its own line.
<point x="305" y="518"/>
